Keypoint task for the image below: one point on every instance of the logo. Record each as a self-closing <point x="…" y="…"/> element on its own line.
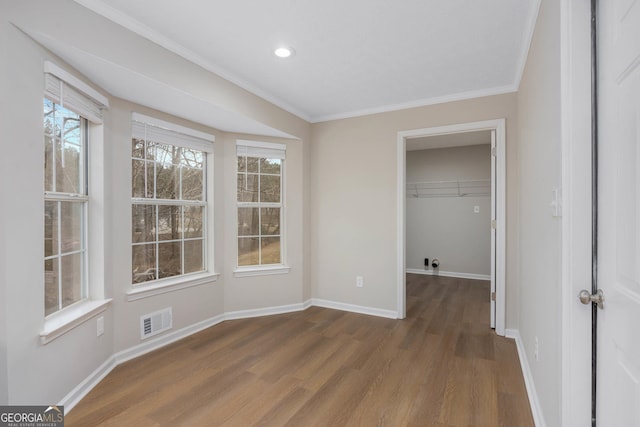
<point x="32" y="416"/>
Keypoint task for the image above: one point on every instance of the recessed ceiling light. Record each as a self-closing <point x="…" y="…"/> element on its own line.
<point x="284" y="52"/>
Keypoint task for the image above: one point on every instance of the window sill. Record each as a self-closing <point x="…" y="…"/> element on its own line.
<point x="261" y="270"/>
<point x="137" y="292"/>
<point x="60" y="323"/>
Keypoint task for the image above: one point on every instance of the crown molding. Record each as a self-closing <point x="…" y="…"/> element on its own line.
<point x="418" y="103"/>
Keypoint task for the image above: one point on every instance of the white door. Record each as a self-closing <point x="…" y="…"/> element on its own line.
<point x="618" y="385"/>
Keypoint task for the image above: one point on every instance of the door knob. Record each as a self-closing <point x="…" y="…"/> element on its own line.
<point x="587" y="297"/>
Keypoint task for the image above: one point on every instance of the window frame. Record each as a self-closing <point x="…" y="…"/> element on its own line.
<point x="68" y="91"/>
<point x="188" y="138"/>
<point x="262" y="150"/>
<point x="59" y="198"/>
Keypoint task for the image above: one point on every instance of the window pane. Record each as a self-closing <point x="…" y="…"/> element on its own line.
<point x="50" y="228"/>
<point x="50" y="286"/>
<point x="71" y="279"/>
<point x="242" y="164"/>
<point x="72" y="129"/>
<point x="52" y="119"/>
<point x="69" y="158"/>
<point x="248" y="221"/>
<point x="150" y="150"/>
<point x="49" y="124"/>
<point x="167" y="154"/>
<point x="253" y="164"/>
<point x="193" y="221"/>
<point x="169" y="222"/>
<point x="68" y="170"/>
<point x="271" y="250"/>
<point x="71" y="226"/>
<point x="248" y="251"/>
<point x="192" y="184"/>
<point x="173" y="173"/>
<point x="142" y="178"/>
<point x="270" y="166"/>
<point x="49" y="143"/>
<point x="270" y="224"/>
<point x="137" y="148"/>
<point x="193" y="256"/>
<point x="144" y="263"/>
<point x="143" y="223"/>
<point x="247" y="187"/>
<point x="192" y="158"/>
<point x="169" y="259"/>
<point x="167" y="181"/>
<point x="269" y="189"/>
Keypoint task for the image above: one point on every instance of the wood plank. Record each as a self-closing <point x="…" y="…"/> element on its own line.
<point x="441" y="366"/>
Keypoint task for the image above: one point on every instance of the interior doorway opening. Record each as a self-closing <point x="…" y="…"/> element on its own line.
<point x="491" y="133"/>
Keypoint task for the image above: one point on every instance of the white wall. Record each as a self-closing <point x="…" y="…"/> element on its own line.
<point x="248" y="293"/>
<point x="190" y="305"/>
<point x="539" y="171"/>
<point x="354" y="200"/>
<point x="447" y="228"/>
<point x="36" y="373"/>
<point x="33" y="373"/>
<point x="342" y="223"/>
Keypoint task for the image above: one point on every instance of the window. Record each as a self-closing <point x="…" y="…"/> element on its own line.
<point x="169" y="201"/>
<point x="65" y="207"/>
<point x="68" y="109"/>
<point x="260" y="203"/>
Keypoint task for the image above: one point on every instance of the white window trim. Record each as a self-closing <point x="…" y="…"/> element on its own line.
<point x="80" y="198"/>
<point x="265" y="269"/>
<point x="68" y="318"/>
<point x="261" y="270"/>
<point x="152" y="121"/>
<point x="261" y="149"/>
<point x="169" y="284"/>
<point x="71" y="80"/>
<point x="63" y="321"/>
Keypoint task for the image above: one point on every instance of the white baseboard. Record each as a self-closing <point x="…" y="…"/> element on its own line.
<point x="165" y="339"/>
<point x="268" y="311"/>
<point x="354" y="308"/>
<point x="534" y="401"/>
<point x="448" y="274"/>
<point x="82" y="389"/>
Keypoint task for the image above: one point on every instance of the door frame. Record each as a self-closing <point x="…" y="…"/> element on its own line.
<point x="498" y="182"/>
<point x="575" y="87"/>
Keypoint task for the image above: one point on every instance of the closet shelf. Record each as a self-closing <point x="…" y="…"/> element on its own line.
<point x="459" y="188"/>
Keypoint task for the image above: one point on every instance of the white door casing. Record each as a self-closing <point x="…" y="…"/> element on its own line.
<point x="493" y="228"/>
<point x="576" y="215"/>
<point x="618" y="385"/>
<point x="498" y="256"/>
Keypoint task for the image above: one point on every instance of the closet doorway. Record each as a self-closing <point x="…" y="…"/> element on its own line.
<point x="487" y="193"/>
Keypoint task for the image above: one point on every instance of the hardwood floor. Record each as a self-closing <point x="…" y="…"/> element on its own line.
<point x="441" y="366"/>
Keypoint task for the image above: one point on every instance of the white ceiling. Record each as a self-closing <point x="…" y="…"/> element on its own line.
<point x="353" y="57"/>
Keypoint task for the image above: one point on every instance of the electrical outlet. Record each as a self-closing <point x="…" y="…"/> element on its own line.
<point x="359" y="281"/>
<point x="100" y="325"/>
<point x="536" y="349"/>
<point x="476" y="209"/>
